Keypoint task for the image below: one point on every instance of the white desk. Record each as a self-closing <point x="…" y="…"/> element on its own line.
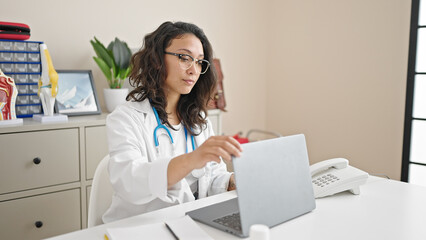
<point x="386" y="209"/>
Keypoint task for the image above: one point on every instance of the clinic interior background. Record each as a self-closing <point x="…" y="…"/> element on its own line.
<point x="334" y="70"/>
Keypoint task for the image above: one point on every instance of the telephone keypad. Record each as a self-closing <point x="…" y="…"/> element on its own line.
<point x="325" y="180"/>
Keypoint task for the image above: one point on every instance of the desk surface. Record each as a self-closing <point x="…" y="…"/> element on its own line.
<point x="385" y="209"/>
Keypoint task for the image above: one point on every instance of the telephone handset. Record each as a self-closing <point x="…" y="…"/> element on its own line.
<point x="336" y="175"/>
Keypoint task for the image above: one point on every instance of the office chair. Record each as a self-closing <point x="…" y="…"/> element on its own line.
<point x="100" y="194"/>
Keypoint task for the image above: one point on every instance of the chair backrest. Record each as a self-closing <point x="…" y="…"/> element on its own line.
<point x="100" y="194"/>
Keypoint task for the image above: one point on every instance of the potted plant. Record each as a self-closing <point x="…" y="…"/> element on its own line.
<point x="114" y="62"/>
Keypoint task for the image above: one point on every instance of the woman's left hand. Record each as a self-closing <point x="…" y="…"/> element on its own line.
<point x="231" y="184"/>
<point x="215" y="148"/>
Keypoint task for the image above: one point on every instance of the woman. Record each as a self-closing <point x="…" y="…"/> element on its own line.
<point x="162" y="148"/>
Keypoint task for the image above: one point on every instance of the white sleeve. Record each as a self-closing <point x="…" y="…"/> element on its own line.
<point x="133" y="176"/>
<point x="219" y="179"/>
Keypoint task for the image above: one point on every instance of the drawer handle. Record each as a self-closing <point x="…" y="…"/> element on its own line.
<point x="37" y="160"/>
<point x="38" y="224"/>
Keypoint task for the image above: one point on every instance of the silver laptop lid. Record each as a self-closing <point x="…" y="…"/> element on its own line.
<point x="273" y="181"/>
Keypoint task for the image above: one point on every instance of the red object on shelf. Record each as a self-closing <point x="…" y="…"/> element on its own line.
<point x="8" y="94"/>
<point x="241" y="140"/>
<point x="14" y="31"/>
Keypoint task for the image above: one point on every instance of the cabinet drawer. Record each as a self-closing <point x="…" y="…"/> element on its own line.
<point x="96" y="148"/>
<point x="58" y="212"/>
<point x="57" y="150"/>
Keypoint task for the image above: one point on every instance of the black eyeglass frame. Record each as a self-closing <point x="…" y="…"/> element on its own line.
<point x="180" y="55"/>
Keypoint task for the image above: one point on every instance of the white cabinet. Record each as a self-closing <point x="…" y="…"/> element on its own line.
<point x="45" y="170"/>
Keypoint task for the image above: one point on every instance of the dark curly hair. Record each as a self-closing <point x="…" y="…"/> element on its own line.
<point x="149" y="73"/>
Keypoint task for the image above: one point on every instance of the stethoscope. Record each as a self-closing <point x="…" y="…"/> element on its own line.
<point x="197" y="172"/>
<point x="161" y="126"/>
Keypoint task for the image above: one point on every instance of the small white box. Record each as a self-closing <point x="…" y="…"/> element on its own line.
<point x="33" y="57"/>
<point x="6" y="45"/>
<point x="33" y="88"/>
<point x="46" y="119"/>
<point x="21" y="67"/>
<point x="22" y="89"/>
<point x="10" y="122"/>
<point x="22" y="110"/>
<point x="20" y="57"/>
<point x="35" y="109"/>
<point x="34" y="68"/>
<point x="33" y="47"/>
<point x="7" y="67"/>
<point x="25" y="99"/>
<point x="21" y="78"/>
<point x="34" y="99"/>
<point x="20" y="46"/>
<point x="6" y="57"/>
<point x="33" y="78"/>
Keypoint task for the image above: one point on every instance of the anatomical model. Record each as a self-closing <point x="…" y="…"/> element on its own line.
<point x="8" y="93"/>
<point x="48" y="82"/>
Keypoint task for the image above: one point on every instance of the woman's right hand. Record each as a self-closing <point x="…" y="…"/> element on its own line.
<point x="213" y="149"/>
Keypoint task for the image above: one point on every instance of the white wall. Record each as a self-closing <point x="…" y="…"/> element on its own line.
<point x="235" y="29"/>
<point x="341" y="78"/>
<point x="334" y="70"/>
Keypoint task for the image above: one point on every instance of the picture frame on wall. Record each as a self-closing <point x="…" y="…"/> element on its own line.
<point x="76" y="93"/>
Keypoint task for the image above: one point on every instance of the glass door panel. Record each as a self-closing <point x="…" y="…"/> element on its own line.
<point x="418" y="142"/>
<point x="417" y="174"/>
<point x="421" y="50"/>
<point x="422" y="13"/>
<point x="419" y="101"/>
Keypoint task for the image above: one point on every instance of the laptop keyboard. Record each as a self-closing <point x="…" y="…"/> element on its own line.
<point x="231" y="221"/>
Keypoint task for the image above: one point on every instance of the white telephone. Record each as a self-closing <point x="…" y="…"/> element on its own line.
<point x="335" y="175"/>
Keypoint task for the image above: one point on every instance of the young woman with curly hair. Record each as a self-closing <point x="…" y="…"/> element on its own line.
<point x="162" y="147"/>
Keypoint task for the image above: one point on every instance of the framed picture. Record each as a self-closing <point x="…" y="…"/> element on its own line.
<point x="76" y="93"/>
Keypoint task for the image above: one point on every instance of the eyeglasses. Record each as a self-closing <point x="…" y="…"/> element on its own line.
<point x="186" y="61"/>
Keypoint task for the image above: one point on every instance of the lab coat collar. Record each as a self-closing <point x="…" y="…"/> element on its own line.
<point x="143" y="107"/>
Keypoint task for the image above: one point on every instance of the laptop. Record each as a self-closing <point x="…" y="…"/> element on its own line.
<point x="273" y="183"/>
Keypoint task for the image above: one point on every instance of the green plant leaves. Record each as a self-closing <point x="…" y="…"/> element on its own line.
<point x="126" y="73"/>
<point x="104" y="68"/>
<point x="102" y="52"/>
<point x="113" y="61"/>
<point x="121" y="53"/>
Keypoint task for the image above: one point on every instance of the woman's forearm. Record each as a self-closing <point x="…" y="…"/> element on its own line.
<point x="178" y="168"/>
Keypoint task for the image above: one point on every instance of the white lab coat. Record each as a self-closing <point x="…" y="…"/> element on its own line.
<point x="139" y="175"/>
